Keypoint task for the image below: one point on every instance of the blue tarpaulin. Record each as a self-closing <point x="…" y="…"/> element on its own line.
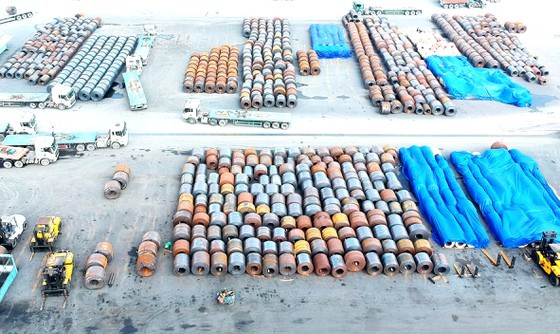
<point x="443" y="203"/>
<point x="513" y="195"/>
<point x="328" y="41"/>
<point x="464" y="81"/>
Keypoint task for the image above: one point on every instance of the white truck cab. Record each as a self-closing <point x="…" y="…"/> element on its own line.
<point x="192" y="112"/>
<point x="117" y="136"/>
<point x="62" y="96"/>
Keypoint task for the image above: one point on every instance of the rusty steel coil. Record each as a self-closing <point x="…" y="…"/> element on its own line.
<point x="355" y="261"/>
<point x="423" y="263"/>
<point x="219" y="264"/>
<point x="154" y="237"/>
<point x="96" y="260"/>
<point x="254" y="264"/>
<point x="373" y="264"/>
<point x="321" y="264"/>
<point x="112" y="189"/>
<point x="106" y="249"/>
<point x="390" y="264"/>
<point x="406" y="263"/>
<point x="441" y="264"/>
<point x="372" y="245"/>
<point x="148" y="246"/>
<point x="270" y="265"/>
<point x="338" y="266"/>
<point x="200" y="263"/>
<point x="304" y="264"/>
<point x="181" y="264"/>
<point x="95" y="278"/>
<point x="181" y="246"/>
<point x="287" y="264"/>
<point x="146" y="264"/>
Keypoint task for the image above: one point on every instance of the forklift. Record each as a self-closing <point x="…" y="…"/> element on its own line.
<point x="45" y="234"/>
<point x="57" y="275"/>
<point x="545" y="253"/>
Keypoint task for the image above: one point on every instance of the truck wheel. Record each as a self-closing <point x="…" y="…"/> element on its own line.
<point x="7" y="164"/>
<point x="90" y="147"/>
<point x="191" y="120"/>
<point x="266" y="125"/>
<point x="222" y="122"/>
<point x="80" y="147"/>
<point x="2" y="137"/>
<point x="406" y="12"/>
<point x="284" y="126"/>
<point x="44" y="162"/>
<point x="61" y="106"/>
<point x="213" y="121"/>
<point x="378" y="13"/>
<point x="18" y="164"/>
<point x="275" y="125"/>
<point x="115" y="145"/>
<point x="33" y="105"/>
<point x="553" y="279"/>
<point x="42" y="105"/>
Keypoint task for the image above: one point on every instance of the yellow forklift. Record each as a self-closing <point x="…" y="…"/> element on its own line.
<point x="545" y="253"/>
<point x="45" y="234"/>
<point x="57" y="275"/>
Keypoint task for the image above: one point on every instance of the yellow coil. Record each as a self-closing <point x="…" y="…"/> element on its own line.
<point x="302" y="246"/>
<point x="340" y="217"/>
<point x="405" y="243"/>
<point x="288" y="222"/>
<point x="313" y="233"/>
<point x="227" y="189"/>
<point x="262" y="209"/>
<point x="329" y="233"/>
<point x="422" y="245"/>
<point x="409" y="206"/>
<point x="186" y="197"/>
<point x="246" y="207"/>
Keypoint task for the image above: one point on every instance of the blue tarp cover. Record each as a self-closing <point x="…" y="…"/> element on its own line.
<point x="328" y="41"/>
<point x="514" y="197"/>
<point x="443" y="203"/>
<point x="464" y="81"/>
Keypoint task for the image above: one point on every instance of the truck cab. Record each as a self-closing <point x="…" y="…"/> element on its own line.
<point x="25" y="123"/>
<point x="192" y="112"/>
<point x="63" y="96"/>
<point x="134" y="63"/>
<point x="46" y="147"/>
<point x="117" y="136"/>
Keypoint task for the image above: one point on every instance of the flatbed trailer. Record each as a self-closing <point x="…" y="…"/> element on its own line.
<point x="136" y="97"/>
<point x="8" y="273"/>
<point x="143" y="48"/>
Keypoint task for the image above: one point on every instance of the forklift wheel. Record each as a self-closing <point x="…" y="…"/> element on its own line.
<point x="553" y="279"/>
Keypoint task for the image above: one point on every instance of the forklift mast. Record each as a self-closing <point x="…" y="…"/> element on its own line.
<point x="547" y="239"/>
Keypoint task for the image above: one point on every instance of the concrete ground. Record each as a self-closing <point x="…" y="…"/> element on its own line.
<point x="333" y="109"/>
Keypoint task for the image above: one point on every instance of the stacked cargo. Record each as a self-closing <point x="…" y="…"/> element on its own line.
<point x="327" y="211"/>
<point x="213" y="73"/>
<point x="45" y="54"/>
<point x="268" y="70"/>
<point x="96" y="66"/>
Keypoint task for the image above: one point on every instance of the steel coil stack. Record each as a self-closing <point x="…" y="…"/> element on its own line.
<point x="486" y="43"/>
<point x="407" y="85"/>
<point x="216" y="72"/>
<point x="45" y="54"/>
<point x="267" y="65"/>
<point x="286" y="211"/>
<point x="96" y="66"/>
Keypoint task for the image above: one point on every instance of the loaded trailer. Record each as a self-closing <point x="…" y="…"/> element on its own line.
<point x="193" y="113"/>
<point x="41" y="150"/>
<point x="116" y="137"/>
<point x="25" y="123"/>
<point x="61" y="97"/>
